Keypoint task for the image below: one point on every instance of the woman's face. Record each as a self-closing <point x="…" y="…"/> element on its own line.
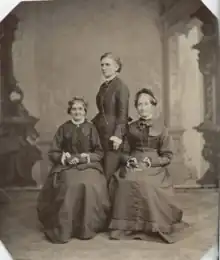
<point x="109" y="67"/>
<point x="144" y="106"/>
<point x="78" y="111"/>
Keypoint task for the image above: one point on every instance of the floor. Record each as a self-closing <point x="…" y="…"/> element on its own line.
<point x="21" y="234"/>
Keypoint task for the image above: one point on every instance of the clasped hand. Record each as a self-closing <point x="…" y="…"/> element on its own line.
<point x="67" y="158"/>
<point x="133" y="163"/>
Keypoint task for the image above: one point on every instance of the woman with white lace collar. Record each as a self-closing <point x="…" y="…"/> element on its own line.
<point x="74" y="200"/>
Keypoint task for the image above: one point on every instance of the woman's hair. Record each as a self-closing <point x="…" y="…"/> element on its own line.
<point x="148" y="92"/>
<point x="74" y="100"/>
<point x="113" y="57"/>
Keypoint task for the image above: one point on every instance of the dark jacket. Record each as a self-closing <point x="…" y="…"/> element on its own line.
<point x="112" y="102"/>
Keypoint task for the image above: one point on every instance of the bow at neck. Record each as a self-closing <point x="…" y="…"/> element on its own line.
<point x="143" y="123"/>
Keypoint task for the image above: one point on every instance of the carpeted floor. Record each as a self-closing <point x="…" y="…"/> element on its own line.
<point x="21" y="234"/>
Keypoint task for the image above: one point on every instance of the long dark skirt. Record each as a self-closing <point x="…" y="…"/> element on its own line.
<point x="111" y="163"/>
<point x="142" y="209"/>
<point x="73" y="203"/>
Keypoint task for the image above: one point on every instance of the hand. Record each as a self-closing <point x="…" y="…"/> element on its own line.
<point x="116" y="142"/>
<point x="147" y="161"/>
<point x="132" y="163"/>
<point x="86" y="156"/>
<point x="73" y="161"/>
<point x="68" y="155"/>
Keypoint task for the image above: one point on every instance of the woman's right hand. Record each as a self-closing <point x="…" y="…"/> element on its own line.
<point x="64" y="157"/>
<point x="132" y="163"/>
<point x="73" y="161"/>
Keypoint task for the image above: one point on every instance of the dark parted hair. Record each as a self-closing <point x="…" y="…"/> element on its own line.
<point x="148" y="92"/>
<point x="77" y="99"/>
<point x="113" y="57"/>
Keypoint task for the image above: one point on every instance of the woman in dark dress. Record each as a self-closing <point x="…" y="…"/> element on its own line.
<point x="142" y="191"/>
<point x="112" y="102"/>
<point x="74" y="200"/>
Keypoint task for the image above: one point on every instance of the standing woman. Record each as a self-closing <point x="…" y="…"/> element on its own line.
<point x="112" y="102"/>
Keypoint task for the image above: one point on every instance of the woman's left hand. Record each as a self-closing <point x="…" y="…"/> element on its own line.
<point x="116" y="142"/>
<point x="86" y="156"/>
<point x="147" y="161"/>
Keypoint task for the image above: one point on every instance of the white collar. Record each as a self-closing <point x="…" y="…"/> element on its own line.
<point x="77" y="123"/>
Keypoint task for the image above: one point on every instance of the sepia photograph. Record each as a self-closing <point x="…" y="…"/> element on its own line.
<point x="109" y="129"/>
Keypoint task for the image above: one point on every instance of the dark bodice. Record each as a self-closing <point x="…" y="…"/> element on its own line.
<point x="149" y="139"/>
<point x="112" y="102"/>
<point x="76" y="140"/>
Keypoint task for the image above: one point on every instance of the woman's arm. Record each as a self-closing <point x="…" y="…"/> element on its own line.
<point x="55" y="152"/>
<point x="164" y="151"/>
<point x="96" y="153"/>
<point x="125" y="154"/>
<point x="122" y="104"/>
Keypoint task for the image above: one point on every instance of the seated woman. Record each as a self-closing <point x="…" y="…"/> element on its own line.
<point x="143" y="203"/>
<point x="74" y="200"/>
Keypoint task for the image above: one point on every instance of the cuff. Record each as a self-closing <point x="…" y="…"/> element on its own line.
<point x="63" y="158"/>
<point x="160" y="161"/>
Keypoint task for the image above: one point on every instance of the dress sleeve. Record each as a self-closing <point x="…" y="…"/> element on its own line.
<point x="55" y="152"/>
<point x="126" y="148"/>
<point x="164" y="150"/>
<point x="94" y="119"/>
<point x="96" y="153"/>
<point x="122" y="104"/>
